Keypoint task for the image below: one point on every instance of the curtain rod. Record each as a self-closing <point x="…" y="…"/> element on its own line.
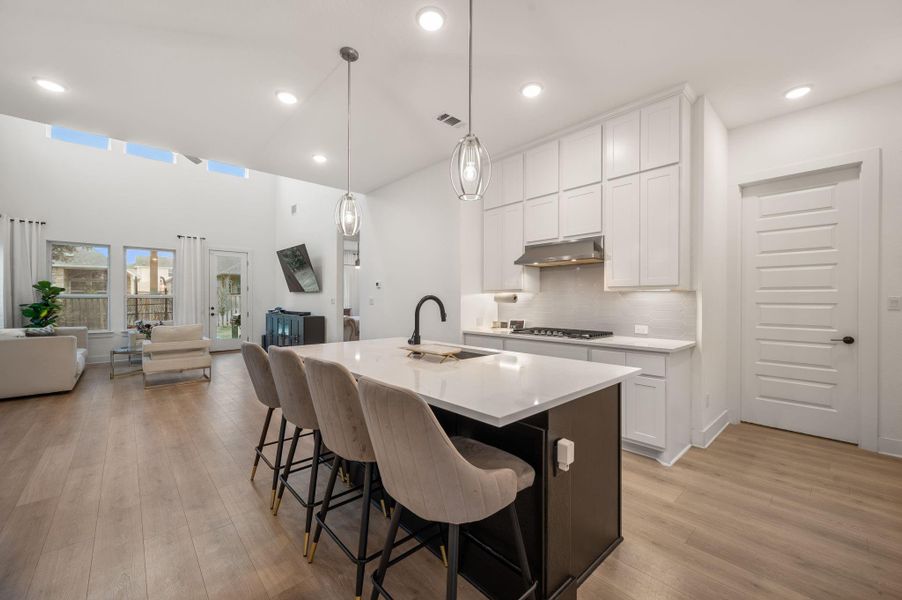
<point x="26" y="220"/>
<point x="193" y="237"/>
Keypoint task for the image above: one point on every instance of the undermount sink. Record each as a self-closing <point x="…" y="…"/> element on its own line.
<point x="465" y="354"/>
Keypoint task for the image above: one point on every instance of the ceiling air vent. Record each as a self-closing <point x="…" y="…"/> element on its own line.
<point x="449" y="120"/>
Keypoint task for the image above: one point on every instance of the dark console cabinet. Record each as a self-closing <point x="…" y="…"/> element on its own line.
<point x="294" y="329"/>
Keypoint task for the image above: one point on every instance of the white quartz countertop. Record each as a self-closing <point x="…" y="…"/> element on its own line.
<point x="623" y="342"/>
<point x="499" y="388"/>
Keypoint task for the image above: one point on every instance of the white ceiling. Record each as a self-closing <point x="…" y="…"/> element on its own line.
<point x="199" y="76"/>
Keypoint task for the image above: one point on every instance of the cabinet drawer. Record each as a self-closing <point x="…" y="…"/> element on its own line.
<point x="546" y="348"/>
<point x="611" y="357"/>
<point x="484" y="341"/>
<point x="651" y="364"/>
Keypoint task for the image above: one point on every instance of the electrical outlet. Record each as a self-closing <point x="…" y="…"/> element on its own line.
<point x="372" y="302"/>
<point x="641" y="329"/>
<point x="894" y="303"/>
<point x="333" y="300"/>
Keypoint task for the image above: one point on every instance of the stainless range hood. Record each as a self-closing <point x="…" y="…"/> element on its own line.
<point x="561" y="254"/>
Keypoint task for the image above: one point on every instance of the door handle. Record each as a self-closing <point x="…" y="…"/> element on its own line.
<point x="848" y="339"/>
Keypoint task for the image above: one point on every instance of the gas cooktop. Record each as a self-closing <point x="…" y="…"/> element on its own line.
<point x="579" y="334"/>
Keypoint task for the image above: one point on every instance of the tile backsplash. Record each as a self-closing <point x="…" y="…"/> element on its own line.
<point x="574" y="297"/>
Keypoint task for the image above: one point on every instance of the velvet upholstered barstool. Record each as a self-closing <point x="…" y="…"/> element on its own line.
<point x="454" y="481"/>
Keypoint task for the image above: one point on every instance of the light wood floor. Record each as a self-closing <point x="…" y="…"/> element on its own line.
<point x="115" y="492"/>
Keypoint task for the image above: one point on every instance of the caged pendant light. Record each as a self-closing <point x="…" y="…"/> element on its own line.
<point x="471" y="167"/>
<point x="347" y="211"/>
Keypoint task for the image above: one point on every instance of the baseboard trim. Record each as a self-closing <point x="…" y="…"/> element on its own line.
<point x="889" y="446"/>
<point x="652" y="453"/>
<point x="703" y="438"/>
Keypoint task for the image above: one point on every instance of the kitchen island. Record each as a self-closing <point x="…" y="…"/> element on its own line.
<point x="524" y="404"/>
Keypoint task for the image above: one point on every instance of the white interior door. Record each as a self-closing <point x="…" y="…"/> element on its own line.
<point x="229" y="306"/>
<point x="799" y="300"/>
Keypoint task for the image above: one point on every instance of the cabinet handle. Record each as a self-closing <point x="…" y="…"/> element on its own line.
<point x="848" y="339"/>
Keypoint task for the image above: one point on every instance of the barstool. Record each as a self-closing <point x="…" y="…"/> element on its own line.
<point x="453" y="481"/>
<point x="294" y="394"/>
<point x="257" y="362"/>
<point x="343" y="429"/>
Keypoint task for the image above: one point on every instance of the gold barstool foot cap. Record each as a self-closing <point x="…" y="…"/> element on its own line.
<point x="444" y="555"/>
<point x="306" y="542"/>
<point x="253" y="472"/>
<point x="382" y="504"/>
<point x="275" y="509"/>
<point x="272" y="500"/>
<point x="312" y="552"/>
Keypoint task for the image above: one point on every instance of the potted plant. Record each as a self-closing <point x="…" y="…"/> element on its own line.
<point x="142" y="331"/>
<point x="43" y="312"/>
<point x="236" y="325"/>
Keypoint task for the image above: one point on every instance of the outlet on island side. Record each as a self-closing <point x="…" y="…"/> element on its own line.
<point x="641" y="329"/>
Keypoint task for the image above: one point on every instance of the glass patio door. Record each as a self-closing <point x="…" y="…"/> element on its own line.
<point x="229" y="306"/>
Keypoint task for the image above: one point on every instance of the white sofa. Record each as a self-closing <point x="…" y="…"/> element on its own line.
<point x="41" y="364"/>
<point x="176" y="348"/>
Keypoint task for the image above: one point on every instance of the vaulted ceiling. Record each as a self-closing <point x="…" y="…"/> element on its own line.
<point x="199" y="76"/>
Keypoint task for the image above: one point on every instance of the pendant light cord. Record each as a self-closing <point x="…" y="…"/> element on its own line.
<point x="470" y="68"/>
<point x="349" y="127"/>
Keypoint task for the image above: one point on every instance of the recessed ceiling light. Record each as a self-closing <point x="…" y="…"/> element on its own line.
<point x="531" y="90"/>
<point x="287" y="98"/>
<point x="319" y="159"/>
<point x="797" y="92"/>
<point x="431" y="18"/>
<point x="50" y="86"/>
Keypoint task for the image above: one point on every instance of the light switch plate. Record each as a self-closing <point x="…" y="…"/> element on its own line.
<point x="641" y="329"/>
<point x="894" y="303"/>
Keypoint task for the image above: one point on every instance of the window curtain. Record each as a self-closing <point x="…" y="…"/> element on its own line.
<point x="24" y="262"/>
<point x="190" y="281"/>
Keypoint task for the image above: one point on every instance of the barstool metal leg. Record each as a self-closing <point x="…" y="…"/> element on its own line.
<point x="324" y="507"/>
<point x="453" y="555"/>
<point x="269" y="412"/>
<point x="521" y="548"/>
<point x="278" y="463"/>
<point x="287" y="470"/>
<point x="364" y="528"/>
<point x="311" y="489"/>
<point x="386" y="550"/>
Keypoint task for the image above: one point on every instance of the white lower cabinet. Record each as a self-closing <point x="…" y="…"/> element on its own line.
<point x="547" y="348"/>
<point x="645" y="411"/>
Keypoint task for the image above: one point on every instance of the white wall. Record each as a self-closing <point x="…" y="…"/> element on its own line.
<point x="107" y="197"/>
<point x="867" y="120"/>
<point x="410" y="245"/>
<point x="710" y="397"/>
<point x="312" y="224"/>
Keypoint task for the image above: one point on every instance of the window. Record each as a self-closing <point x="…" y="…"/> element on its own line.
<point x="149" y="152"/>
<point x="74" y="136"/>
<point x="221" y="167"/>
<point x="148" y="285"/>
<point x="83" y="270"/>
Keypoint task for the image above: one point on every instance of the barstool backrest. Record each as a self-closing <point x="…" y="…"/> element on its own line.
<point x="291" y="383"/>
<point x="419" y="465"/>
<point x="257" y="363"/>
<point x="337" y="406"/>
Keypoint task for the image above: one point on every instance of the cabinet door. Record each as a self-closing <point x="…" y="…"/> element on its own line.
<point x="581" y="158"/>
<point x="512" y="185"/>
<point x="541" y="171"/>
<point x="645" y="411"/>
<point x="540" y="219"/>
<point x="511" y="246"/>
<point x="494" y="195"/>
<point x="659" y="233"/>
<point x="621" y="145"/>
<point x="581" y="211"/>
<point x="661" y="134"/>
<point x="492" y="249"/>
<point x="621" y="242"/>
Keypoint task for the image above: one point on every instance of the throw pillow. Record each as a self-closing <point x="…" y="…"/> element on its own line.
<point x="40" y="331"/>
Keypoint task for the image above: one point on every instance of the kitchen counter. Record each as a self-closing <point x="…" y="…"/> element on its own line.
<point x="523" y="404"/>
<point x="497" y="389"/>
<point x="622" y="342"/>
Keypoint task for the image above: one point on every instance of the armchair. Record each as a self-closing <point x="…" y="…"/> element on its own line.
<point x="177" y="348"/>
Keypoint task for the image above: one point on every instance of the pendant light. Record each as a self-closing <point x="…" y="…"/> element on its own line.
<point x="347" y="211"/>
<point x="471" y="167"/>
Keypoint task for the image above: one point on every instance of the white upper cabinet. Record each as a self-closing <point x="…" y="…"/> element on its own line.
<point x="659" y="218"/>
<point x="492" y="255"/>
<point x="580" y="159"/>
<point x="511" y="246"/>
<point x="580" y="211"/>
<point x="660" y="128"/>
<point x="541" y="171"/>
<point x="621" y="145"/>
<point x="506" y="186"/>
<point x="621" y="241"/>
<point x="502" y="245"/>
<point x="540" y="219"/>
